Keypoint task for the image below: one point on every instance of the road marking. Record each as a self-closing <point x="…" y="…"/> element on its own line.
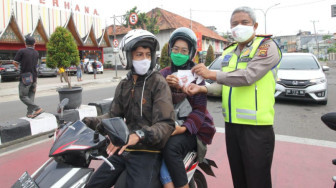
<point x="24" y="147"/>
<point x="298" y="140"/>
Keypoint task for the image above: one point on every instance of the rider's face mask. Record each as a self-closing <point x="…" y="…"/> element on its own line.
<point x="141" y="67"/>
<point x="242" y="33"/>
<point x="179" y="59"/>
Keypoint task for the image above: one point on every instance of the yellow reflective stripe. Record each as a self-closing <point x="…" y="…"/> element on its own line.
<point x="246" y="114"/>
<point x="143" y="150"/>
<point x="246" y="111"/>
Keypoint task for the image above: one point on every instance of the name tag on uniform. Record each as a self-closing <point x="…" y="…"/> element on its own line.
<point x="226" y="60"/>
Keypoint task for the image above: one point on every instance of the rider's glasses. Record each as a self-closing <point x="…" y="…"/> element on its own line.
<point x="177" y="50"/>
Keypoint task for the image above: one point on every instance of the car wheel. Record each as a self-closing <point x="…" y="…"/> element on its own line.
<point x="323" y="102"/>
<point x="101" y="72"/>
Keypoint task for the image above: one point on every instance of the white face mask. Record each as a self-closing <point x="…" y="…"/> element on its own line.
<point x="141" y="67"/>
<point x="242" y="33"/>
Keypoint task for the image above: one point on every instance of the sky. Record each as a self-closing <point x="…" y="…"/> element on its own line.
<point x="284" y="17"/>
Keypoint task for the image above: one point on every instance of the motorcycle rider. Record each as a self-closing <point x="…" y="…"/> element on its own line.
<point x="198" y="126"/>
<point x="144" y="100"/>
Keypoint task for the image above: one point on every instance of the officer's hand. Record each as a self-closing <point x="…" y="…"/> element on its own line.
<point x="202" y="70"/>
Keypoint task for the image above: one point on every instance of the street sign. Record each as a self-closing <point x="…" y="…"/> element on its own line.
<point x="133" y="18"/>
<point x="115" y="43"/>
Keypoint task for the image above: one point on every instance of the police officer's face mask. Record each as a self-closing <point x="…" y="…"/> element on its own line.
<point x="242" y="33"/>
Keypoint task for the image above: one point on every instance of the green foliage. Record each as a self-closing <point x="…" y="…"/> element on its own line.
<point x="332" y="50"/>
<point x="325" y="37"/>
<point x="164" y="59"/>
<point x="144" y="22"/>
<point x="62" y="50"/>
<point x="210" y="56"/>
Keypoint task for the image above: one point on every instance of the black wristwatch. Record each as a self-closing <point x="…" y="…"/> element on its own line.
<point x="140" y="134"/>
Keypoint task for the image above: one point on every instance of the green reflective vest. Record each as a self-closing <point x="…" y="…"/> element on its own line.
<point x="250" y="105"/>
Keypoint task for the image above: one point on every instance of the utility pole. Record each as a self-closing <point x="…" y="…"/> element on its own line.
<point x="318" y="50"/>
<point x="265" y="12"/>
<point x="190" y="20"/>
<point x="115" y="52"/>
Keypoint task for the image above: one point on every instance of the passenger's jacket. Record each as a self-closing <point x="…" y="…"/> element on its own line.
<point x="146" y="105"/>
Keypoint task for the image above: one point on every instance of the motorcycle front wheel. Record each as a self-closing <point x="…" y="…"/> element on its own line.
<point x="198" y="180"/>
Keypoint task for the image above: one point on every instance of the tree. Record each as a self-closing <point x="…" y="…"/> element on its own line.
<point x="62" y="51"/>
<point x="164" y="59"/>
<point x="210" y="56"/>
<point x="144" y="22"/>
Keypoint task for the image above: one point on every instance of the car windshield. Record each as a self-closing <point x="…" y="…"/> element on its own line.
<point x="43" y="65"/>
<point x="297" y="62"/>
<point x="217" y="64"/>
<point x="8" y="66"/>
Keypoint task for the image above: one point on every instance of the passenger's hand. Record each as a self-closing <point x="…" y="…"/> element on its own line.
<point x="179" y="130"/>
<point x="132" y="140"/>
<point x="202" y="70"/>
<point x="173" y="81"/>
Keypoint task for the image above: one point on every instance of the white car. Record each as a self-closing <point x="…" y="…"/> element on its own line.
<point x="301" y="77"/>
<point x="88" y="67"/>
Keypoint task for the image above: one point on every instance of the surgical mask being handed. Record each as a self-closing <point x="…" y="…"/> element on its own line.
<point x="141" y="67"/>
<point x="242" y="33"/>
<point x="179" y="59"/>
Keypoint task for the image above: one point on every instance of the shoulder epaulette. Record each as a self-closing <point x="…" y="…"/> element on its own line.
<point x="266" y="36"/>
<point x="231" y="44"/>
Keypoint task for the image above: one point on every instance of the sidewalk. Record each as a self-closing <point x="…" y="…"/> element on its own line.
<point x="47" y="86"/>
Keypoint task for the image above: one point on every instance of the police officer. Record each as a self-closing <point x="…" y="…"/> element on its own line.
<point x="247" y="85"/>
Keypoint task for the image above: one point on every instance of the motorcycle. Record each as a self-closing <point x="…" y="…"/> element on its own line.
<point x="330" y="120"/>
<point x="76" y="145"/>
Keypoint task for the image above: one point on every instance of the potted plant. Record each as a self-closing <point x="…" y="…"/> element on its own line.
<point x="62" y="52"/>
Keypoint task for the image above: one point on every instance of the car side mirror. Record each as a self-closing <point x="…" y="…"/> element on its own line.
<point x="325" y="68"/>
<point x="116" y="130"/>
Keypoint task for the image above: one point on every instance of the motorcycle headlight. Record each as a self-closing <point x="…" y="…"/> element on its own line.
<point x="318" y="80"/>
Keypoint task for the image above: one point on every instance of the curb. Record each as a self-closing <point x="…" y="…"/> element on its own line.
<point x="25" y="128"/>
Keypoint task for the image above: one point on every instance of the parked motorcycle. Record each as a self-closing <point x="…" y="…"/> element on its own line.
<point x="75" y="145"/>
<point x="330" y="120"/>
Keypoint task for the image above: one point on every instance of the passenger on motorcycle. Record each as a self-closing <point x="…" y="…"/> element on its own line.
<point x="198" y="126"/>
<point x="144" y="99"/>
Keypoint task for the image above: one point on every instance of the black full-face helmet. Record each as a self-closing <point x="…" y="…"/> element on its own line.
<point x="134" y="39"/>
<point x="187" y="35"/>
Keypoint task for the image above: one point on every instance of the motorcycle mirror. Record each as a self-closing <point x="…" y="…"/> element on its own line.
<point x="116" y="130"/>
<point x="330" y="120"/>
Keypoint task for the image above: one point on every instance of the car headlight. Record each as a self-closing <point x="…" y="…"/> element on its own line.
<point x="318" y="80"/>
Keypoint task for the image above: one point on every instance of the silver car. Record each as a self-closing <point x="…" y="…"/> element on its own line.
<point x="301" y="77"/>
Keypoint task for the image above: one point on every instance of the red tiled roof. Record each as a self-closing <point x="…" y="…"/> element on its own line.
<point x="169" y="20"/>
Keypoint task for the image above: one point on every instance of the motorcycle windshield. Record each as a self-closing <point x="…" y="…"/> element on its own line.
<point x="76" y="137"/>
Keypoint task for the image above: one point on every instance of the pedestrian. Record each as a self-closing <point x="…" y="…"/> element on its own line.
<point x="27" y="58"/>
<point x="247" y="85"/>
<point x="94" y="68"/>
<point x="144" y="100"/>
<point x="63" y="74"/>
<point x="79" y="71"/>
<point x="197" y="126"/>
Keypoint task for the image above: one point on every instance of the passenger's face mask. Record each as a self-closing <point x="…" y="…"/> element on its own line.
<point x="179" y="59"/>
<point x="141" y="67"/>
<point x="242" y="33"/>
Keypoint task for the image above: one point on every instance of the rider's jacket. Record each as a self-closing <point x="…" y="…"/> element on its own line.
<point x="147" y="105"/>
